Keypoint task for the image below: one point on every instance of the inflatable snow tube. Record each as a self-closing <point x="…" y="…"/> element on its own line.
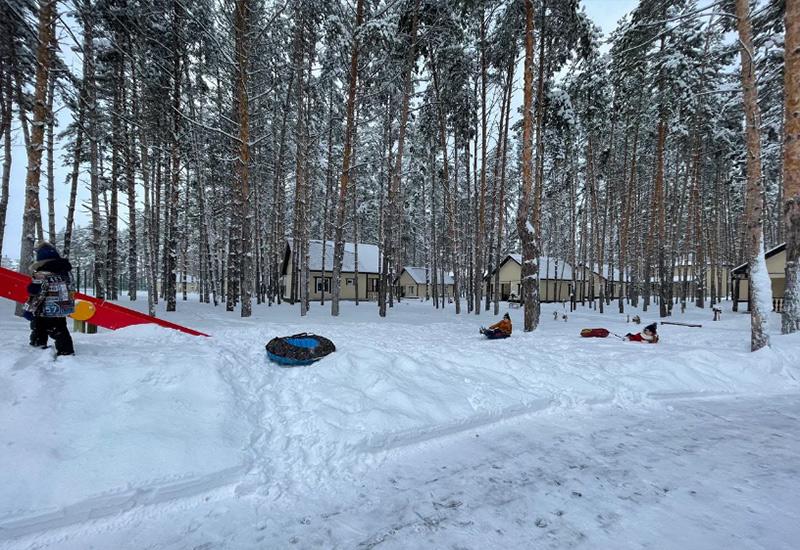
<point x="298" y="350"/>
<point x="494" y="334"/>
<point x="594" y="333"/>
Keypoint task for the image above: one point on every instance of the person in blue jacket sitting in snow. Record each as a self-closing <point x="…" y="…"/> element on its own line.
<point x="51" y="300"/>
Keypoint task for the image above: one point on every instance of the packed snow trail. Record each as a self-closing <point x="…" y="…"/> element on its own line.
<point x="692" y="474"/>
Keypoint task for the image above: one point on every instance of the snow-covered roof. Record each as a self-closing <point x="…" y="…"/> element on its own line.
<point x="549" y="267"/>
<point x="420" y="275"/>
<point x="768" y="254"/>
<point x="368" y="257"/>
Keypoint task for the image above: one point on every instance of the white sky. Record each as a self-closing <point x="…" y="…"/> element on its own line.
<point x="605" y="13"/>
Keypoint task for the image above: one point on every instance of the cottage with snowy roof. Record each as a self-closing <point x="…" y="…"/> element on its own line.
<point x="415" y="282"/>
<point x="590" y="280"/>
<point x="555" y="279"/>
<point x="360" y="271"/>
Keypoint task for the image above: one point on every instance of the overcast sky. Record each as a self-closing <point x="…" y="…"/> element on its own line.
<point x="605" y="13"/>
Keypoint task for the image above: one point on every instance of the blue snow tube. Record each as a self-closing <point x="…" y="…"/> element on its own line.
<point x="298" y="350"/>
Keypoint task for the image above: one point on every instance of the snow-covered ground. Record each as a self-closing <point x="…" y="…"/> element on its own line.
<point x="416" y="433"/>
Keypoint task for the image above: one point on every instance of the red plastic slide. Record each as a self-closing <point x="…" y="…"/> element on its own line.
<point x="14" y="286"/>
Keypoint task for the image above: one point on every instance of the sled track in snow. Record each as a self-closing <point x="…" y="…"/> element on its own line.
<point x="412" y="438"/>
<point x="249" y="384"/>
<point x="118" y="502"/>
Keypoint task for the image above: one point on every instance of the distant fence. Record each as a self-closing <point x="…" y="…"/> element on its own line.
<point x="777" y="305"/>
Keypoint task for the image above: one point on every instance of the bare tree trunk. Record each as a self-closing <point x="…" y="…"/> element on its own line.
<point x="87" y="13"/>
<point x="328" y="195"/>
<point x="503" y="145"/>
<point x="595" y="240"/>
<point x="754" y="203"/>
<point x="299" y="223"/>
<point x="538" y="183"/>
<point x="480" y="231"/>
<point x="573" y="200"/>
<point x="626" y="216"/>
<point x="699" y="270"/>
<point x="338" y="251"/>
<point x="51" y="191"/>
<point x="279" y="199"/>
<point x="449" y="193"/>
<point x="112" y="242"/>
<point x="76" y="166"/>
<point x="6" y="113"/>
<point x="657" y="223"/>
<point x="790" y="320"/>
<point x="44" y="54"/>
<point x="242" y="30"/>
<point x="130" y="177"/>
<point x="434" y="265"/>
<point x="354" y="196"/>
<point x="393" y="215"/>
<point x="149" y="240"/>
<point x="173" y="198"/>
<point x="526" y="230"/>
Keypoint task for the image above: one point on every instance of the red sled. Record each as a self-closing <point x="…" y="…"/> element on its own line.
<point x="594" y="333"/>
<point x="14" y="286"/>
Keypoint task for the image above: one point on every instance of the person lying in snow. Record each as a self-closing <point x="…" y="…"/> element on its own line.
<point x="647" y="335"/>
<point x="498" y="330"/>
<point x="51" y="299"/>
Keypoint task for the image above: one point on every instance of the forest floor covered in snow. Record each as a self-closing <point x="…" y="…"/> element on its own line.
<point x="416" y="433"/>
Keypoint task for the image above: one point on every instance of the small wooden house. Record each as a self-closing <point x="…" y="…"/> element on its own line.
<point x="776" y="267"/>
<point x="555" y="279"/>
<point x="589" y="281"/>
<point x="415" y="282"/>
<point x="320" y="276"/>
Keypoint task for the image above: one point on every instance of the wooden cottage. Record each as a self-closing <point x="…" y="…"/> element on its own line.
<point x="415" y="282"/>
<point x="776" y="267"/>
<point x="555" y="279"/>
<point x="363" y="276"/>
<point x="589" y="282"/>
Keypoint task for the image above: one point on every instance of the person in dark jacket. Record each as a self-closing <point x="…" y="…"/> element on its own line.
<point x="51" y="300"/>
<point x="501" y="329"/>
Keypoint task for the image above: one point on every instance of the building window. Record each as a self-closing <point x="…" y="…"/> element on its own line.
<point x="374" y="285"/>
<point x="318" y="284"/>
<point x="350" y="281"/>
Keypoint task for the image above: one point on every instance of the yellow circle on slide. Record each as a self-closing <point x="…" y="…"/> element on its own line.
<point x="83" y="311"/>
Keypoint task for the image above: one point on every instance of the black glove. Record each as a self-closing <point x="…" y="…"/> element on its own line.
<point x="34" y="289"/>
<point x="28" y="315"/>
